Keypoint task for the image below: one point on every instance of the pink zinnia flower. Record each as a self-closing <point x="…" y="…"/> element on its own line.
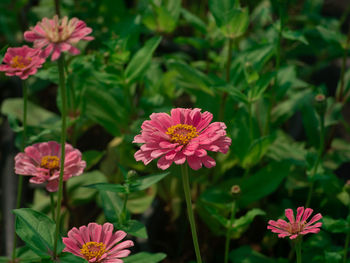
<point x="297" y="226"/>
<point x="58" y="35"/>
<point x="186" y="134"/>
<point x="42" y="161"/>
<point x="22" y="61"/>
<point x="97" y="243"/>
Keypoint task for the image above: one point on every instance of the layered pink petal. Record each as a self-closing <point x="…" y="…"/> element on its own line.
<point x="184" y="135"/>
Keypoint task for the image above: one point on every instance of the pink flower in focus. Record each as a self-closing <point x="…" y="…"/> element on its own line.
<point x="58" y="35"/>
<point x="22" y="61"/>
<point x="297" y="226"/>
<point x="186" y="134"/>
<point x="97" y="243"/>
<point x="42" y="161"/>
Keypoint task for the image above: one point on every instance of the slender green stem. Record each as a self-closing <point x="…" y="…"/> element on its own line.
<point x="57" y="7"/>
<point x="52" y="202"/>
<point x="250" y="106"/>
<point x="340" y="95"/>
<point x="298" y="250"/>
<point x="318" y="160"/>
<point x="346" y="246"/>
<point x="186" y="185"/>
<point x="228" y="67"/>
<point x="228" y="233"/>
<point x="126" y="197"/>
<point x="62" y="87"/>
<point x="23" y="144"/>
<point x="277" y="68"/>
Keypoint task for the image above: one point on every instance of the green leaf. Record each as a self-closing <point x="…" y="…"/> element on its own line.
<point x="232" y="20"/>
<point x="70" y="258"/>
<point x="194" y="20"/>
<point x="37" y="231"/>
<point x="295" y="35"/>
<point x="79" y="194"/>
<point x="36" y="115"/>
<point x="335" y="225"/>
<point x="263" y="183"/>
<point x="116" y="188"/>
<point x="145" y="257"/>
<point x="245" y="254"/>
<point x="135" y="228"/>
<point x="144" y="182"/>
<point x="192" y="77"/>
<point x="140" y="61"/>
<point x="92" y="158"/>
<point x="257" y="150"/>
<point x="112" y="206"/>
<point x="241" y="224"/>
<point x="103" y="107"/>
<point x="223" y="10"/>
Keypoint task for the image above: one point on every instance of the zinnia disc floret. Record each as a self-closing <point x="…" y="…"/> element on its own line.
<point x="42" y="162"/>
<point x="296" y="226"/>
<point x="22" y="61"/>
<point x="97" y="243"/>
<point x="58" y="35"/>
<point x="184" y="135"/>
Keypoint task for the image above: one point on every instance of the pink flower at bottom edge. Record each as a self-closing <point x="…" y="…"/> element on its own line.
<point x="296" y="226"/>
<point x="42" y="162"/>
<point x="184" y="135"/>
<point x="22" y="61"/>
<point x="97" y="243"/>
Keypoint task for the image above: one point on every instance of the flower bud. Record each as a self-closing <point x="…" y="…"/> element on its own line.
<point x="320" y="104"/>
<point x="235" y="191"/>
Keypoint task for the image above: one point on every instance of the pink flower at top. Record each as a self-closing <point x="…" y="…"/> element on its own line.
<point x="42" y="161"/>
<point x="58" y="35"/>
<point x="184" y="135"/>
<point x="298" y="226"/>
<point x="22" y="61"/>
<point x="97" y="243"/>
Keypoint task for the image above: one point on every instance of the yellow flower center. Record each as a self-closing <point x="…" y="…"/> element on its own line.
<point x="182" y="133"/>
<point x="92" y="250"/>
<point x="20" y="62"/>
<point x="50" y="162"/>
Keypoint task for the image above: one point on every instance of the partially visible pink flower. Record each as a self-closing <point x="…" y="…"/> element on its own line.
<point x="42" y="161"/>
<point x="184" y="135"/>
<point x="58" y="35"/>
<point x="22" y="61"/>
<point x="97" y="243"/>
<point x="297" y="226"/>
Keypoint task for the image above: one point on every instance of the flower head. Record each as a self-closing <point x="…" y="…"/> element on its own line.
<point x="58" y="35"/>
<point x="185" y="134"/>
<point x="22" y="61"/>
<point x="297" y="226"/>
<point x="97" y="243"/>
<point x="42" y="161"/>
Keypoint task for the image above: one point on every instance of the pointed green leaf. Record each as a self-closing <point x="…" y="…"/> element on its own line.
<point x="145" y="257"/>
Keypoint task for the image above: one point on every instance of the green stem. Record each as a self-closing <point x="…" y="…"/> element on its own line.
<point x="126" y="196"/>
<point x="228" y="67"/>
<point x="186" y="185"/>
<point x="346" y="246"/>
<point x="23" y="144"/>
<point x="318" y="160"/>
<point x="62" y="87"/>
<point x="278" y="64"/>
<point x="250" y="106"/>
<point x="298" y="250"/>
<point x="52" y="202"/>
<point x="340" y="95"/>
<point x="228" y="233"/>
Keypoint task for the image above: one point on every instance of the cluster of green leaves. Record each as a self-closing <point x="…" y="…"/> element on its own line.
<point x="246" y="62"/>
